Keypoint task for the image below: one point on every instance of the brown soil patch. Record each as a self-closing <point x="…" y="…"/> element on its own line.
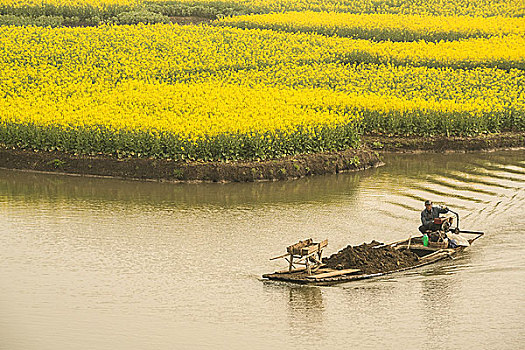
<point x="167" y="170"/>
<point x="371" y="260"/>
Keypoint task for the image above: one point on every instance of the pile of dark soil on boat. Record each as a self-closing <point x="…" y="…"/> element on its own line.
<point x="371" y="260"/>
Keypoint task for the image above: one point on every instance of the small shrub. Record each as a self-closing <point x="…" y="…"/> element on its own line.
<point x="377" y="145"/>
<point x="355" y="161"/>
<point x="56" y="163"/>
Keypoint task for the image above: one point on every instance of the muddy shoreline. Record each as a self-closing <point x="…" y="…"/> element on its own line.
<point x="442" y="144"/>
<point x="368" y="156"/>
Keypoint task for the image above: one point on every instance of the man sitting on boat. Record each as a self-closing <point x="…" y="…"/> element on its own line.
<point x="428" y="215"/>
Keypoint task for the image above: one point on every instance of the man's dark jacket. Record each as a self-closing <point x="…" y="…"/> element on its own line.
<point x="428" y="217"/>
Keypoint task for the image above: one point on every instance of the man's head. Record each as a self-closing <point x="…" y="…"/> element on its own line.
<point x="428" y="205"/>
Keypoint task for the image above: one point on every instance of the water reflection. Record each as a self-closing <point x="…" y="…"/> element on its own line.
<point x="305" y="307"/>
<point x="27" y="186"/>
<point x="305" y="311"/>
<point x="306" y="301"/>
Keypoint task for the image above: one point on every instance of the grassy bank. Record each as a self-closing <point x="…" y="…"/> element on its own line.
<point x="368" y="156"/>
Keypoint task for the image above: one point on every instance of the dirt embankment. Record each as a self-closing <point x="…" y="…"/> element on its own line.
<point x="371" y="260"/>
<point x="445" y="144"/>
<point x="166" y="170"/>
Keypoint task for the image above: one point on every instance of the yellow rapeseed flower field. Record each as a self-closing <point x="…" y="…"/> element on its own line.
<point x="212" y="93"/>
<point x="392" y="27"/>
<point x="511" y="8"/>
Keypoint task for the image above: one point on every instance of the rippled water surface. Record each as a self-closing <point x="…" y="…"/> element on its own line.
<point x="108" y="264"/>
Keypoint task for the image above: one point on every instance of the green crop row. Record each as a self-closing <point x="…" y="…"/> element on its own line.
<point x="99" y="140"/>
<point x="436" y="123"/>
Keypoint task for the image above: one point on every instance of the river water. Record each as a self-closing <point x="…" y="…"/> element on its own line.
<point x="90" y="263"/>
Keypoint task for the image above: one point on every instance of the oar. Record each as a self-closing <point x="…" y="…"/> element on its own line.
<point x="478" y="233"/>
<point x="473" y="232"/>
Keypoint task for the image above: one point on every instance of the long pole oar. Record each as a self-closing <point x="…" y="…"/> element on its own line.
<point x="473" y="232"/>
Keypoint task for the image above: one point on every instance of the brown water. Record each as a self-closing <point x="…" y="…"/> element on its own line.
<point x="108" y="264"/>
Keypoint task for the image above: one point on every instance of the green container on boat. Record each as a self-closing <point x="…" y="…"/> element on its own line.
<point x="425" y="240"/>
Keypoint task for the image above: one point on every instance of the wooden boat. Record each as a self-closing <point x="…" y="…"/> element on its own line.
<point x="325" y="276"/>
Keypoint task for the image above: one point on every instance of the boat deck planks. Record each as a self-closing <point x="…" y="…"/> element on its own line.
<point x="333" y="273"/>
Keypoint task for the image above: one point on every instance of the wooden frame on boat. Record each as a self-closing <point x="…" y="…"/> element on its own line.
<point x="305" y="253"/>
